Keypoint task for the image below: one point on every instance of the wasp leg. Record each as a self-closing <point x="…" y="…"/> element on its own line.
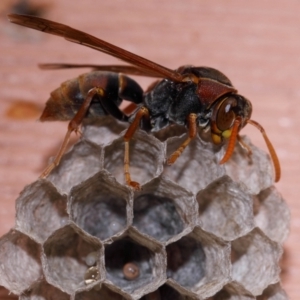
<point x="73" y="126"/>
<point x="142" y="113"/>
<point x="192" y="133"/>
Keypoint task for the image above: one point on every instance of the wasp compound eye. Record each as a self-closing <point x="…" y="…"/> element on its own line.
<point x="223" y="118"/>
<point x="225" y="115"/>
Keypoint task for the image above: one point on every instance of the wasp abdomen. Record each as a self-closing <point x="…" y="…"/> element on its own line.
<point x="66" y="100"/>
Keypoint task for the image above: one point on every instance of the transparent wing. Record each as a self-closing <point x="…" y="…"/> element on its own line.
<point x="83" y="38"/>
<point x="132" y="70"/>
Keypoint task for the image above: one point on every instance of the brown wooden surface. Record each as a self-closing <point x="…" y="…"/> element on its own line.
<point x="255" y="43"/>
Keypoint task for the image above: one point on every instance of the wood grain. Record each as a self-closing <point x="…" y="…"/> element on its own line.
<point x="255" y="43"/>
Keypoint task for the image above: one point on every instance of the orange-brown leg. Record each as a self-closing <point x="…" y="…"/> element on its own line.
<point x="192" y="133"/>
<point x="142" y="113"/>
<point x="73" y="126"/>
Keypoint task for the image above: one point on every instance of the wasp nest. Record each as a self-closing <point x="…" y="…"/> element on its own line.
<point x="196" y="230"/>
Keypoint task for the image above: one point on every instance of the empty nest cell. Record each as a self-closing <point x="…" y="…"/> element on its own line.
<point x="99" y="206"/>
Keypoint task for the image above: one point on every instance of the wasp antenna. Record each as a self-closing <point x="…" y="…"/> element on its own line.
<point x="270" y="148"/>
<point x="47" y="66"/>
<point x="232" y="140"/>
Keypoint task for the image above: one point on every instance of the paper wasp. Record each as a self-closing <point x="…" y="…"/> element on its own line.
<point x="189" y="96"/>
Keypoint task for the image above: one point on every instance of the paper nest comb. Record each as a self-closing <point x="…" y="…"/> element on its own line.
<point x="196" y="230"/>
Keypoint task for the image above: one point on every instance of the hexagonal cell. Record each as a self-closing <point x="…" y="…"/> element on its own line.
<point x="40" y="210"/>
<point x="103" y="130"/>
<point x="100" y="291"/>
<point x="99" y="205"/>
<point x="255" y="261"/>
<point x="135" y="264"/>
<point x="273" y="292"/>
<point x="255" y="172"/>
<point x="233" y="291"/>
<point x="199" y="262"/>
<point x="20" y="264"/>
<point x="186" y="261"/>
<point x="225" y="209"/>
<point x="163" y="209"/>
<point x="272" y="215"/>
<point x="196" y="167"/>
<point x="42" y="290"/>
<point x="146" y="157"/>
<point x="64" y="258"/>
<point x="81" y="162"/>
<point x="165" y="292"/>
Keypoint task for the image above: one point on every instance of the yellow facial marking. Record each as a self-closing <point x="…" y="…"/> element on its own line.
<point x="227" y="133"/>
<point x="216" y="138"/>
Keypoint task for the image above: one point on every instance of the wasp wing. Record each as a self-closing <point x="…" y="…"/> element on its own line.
<point x="132" y="70"/>
<point x="83" y="38"/>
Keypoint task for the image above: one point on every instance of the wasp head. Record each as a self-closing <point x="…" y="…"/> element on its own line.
<point x="225" y="113"/>
<point x="229" y="115"/>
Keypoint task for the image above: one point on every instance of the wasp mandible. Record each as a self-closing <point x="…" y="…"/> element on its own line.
<point x="195" y="97"/>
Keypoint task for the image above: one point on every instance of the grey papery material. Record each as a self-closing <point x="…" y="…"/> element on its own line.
<point x="196" y="230"/>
